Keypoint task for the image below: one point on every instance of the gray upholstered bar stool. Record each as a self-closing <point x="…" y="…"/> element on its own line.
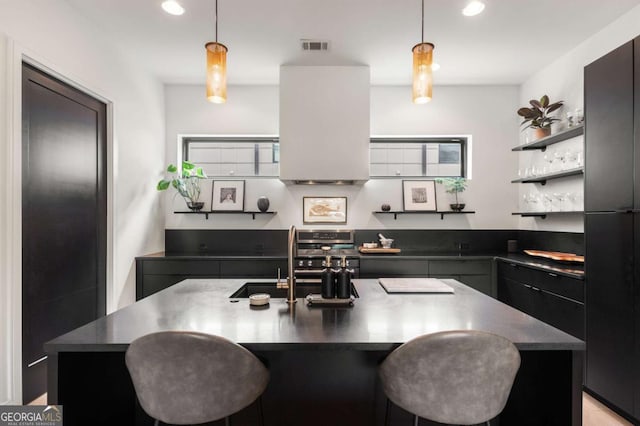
<point x="455" y="377"/>
<point x="184" y="377"/>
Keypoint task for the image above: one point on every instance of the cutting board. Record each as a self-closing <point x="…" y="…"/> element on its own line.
<point x="378" y="250"/>
<point x="556" y="255"/>
<point x="414" y="285"/>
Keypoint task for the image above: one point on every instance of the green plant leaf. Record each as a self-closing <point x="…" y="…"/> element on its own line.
<point x="186" y="165"/>
<point x="535" y="104"/>
<point x="554" y="107"/>
<point x="200" y="173"/>
<point x="163" y="184"/>
<point x="525" y="112"/>
<point x="544" y="101"/>
<point x="172" y="168"/>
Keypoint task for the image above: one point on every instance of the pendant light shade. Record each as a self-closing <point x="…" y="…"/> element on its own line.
<point x="422" y="73"/>
<point x="216" y="69"/>
<point x="422" y="69"/>
<point x="216" y="72"/>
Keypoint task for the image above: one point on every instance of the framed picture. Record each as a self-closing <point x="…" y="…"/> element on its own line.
<point x="324" y="209"/>
<point x="228" y="195"/>
<point x="419" y="195"/>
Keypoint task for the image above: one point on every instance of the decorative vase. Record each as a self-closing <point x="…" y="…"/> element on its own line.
<point x="263" y="204"/>
<point x="195" y="206"/>
<point x="457" y="207"/>
<point x="541" y="132"/>
<point x="385" y="207"/>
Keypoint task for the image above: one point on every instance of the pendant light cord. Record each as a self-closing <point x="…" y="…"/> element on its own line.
<point x="217" y="20"/>
<point x="422" y="37"/>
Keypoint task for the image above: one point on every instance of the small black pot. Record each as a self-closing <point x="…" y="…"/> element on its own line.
<point x="195" y="206"/>
<point x="457" y="207"/>
<point x="385" y="207"/>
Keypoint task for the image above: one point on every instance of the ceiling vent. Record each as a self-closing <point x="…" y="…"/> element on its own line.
<point x="314" y="45"/>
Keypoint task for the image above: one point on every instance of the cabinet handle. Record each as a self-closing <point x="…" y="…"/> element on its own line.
<point x="552" y="274"/>
<point x="527" y="286"/>
<point x="535" y="289"/>
<point x="513" y="265"/>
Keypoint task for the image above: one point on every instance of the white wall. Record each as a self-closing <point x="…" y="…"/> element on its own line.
<point x="485" y="112"/>
<point x="52" y="33"/>
<point x="564" y="80"/>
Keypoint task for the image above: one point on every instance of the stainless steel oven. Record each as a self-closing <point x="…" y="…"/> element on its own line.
<point x="314" y="245"/>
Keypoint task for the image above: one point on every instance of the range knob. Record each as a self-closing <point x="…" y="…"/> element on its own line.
<point x="309" y="262"/>
<point x="300" y="263"/>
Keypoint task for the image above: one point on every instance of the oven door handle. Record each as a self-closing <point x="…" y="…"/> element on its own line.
<point x="308" y="271"/>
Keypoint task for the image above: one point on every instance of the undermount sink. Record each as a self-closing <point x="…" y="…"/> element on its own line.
<point x="302" y="290"/>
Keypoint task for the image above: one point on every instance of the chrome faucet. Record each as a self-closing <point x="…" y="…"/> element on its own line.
<point x="291" y="278"/>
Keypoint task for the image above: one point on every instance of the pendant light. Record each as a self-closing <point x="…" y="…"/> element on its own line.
<point x="422" y="71"/>
<point x="216" y="69"/>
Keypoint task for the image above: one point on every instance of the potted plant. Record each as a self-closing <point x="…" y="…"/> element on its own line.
<point x="454" y="186"/>
<point x="187" y="183"/>
<point x="537" y="117"/>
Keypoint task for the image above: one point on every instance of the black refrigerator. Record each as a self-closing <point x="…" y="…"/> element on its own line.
<point x="612" y="228"/>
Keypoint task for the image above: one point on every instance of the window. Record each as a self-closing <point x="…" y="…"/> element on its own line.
<point x="418" y="156"/>
<point x="234" y="156"/>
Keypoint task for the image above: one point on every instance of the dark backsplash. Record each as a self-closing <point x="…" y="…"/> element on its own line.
<point x="274" y="242"/>
<point x="229" y="241"/>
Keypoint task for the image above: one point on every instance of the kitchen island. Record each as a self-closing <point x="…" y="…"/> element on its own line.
<point x="323" y="361"/>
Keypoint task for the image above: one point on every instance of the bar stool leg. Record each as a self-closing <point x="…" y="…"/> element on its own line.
<point x="386" y="413"/>
<point x="156" y="423"/>
<point x="226" y="421"/>
<point x="415" y="420"/>
<point x="260" y="412"/>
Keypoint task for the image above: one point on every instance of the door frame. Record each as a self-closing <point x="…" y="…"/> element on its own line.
<point x="12" y="225"/>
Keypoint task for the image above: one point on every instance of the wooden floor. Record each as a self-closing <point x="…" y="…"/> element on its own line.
<point x="593" y="412"/>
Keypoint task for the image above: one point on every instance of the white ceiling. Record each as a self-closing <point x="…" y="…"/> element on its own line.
<point x="508" y="42"/>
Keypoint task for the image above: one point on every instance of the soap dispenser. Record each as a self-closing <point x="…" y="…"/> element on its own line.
<point x="343" y="280"/>
<point x="328" y="280"/>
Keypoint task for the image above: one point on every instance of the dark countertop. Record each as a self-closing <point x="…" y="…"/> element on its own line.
<point x="378" y="321"/>
<point x="572" y="270"/>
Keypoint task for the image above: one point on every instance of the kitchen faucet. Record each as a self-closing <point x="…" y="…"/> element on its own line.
<point x="291" y="278"/>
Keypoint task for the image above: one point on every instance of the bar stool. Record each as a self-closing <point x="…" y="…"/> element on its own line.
<point x="455" y="377"/>
<point x="185" y="377"/>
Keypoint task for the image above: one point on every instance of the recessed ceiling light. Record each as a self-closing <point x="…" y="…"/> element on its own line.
<point x="172" y="7"/>
<point x="435" y="66"/>
<point x="473" y="8"/>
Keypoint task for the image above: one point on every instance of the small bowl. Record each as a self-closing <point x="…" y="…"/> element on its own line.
<point x="370" y="245"/>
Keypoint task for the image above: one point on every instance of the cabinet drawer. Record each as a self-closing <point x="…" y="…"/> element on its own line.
<point x="154" y="283"/>
<point x="482" y="283"/>
<point x="379" y="268"/>
<point x="252" y="268"/>
<point x="549" y="281"/>
<point x="460" y="267"/>
<point x="191" y="267"/>
<point x="560" y="312"/>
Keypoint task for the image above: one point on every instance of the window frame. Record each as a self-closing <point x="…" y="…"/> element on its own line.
<point x="463" y="140"/>
<point x="184" y="140"/>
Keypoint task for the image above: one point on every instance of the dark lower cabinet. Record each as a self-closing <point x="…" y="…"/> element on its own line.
<point x="476" y="274"/>
<point x="556" y="300"/>
<point x="154" y="274"/>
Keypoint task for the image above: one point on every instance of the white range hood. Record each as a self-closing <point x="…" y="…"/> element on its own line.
<point x="324" y="124"/>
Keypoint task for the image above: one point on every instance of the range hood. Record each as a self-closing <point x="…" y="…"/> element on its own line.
<point x="324" y="124"/>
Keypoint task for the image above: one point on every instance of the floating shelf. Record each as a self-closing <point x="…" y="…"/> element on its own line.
<point x="207" y="213"/>
<point x="543" y="215"/>
<point x="543" y="143"/>
<point x="544" y="178"/>
<point x="441" y="213"/>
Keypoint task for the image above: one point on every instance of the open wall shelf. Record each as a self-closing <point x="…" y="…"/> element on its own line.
<point x="441" y="213"/>
<point x="207" y="213"/>
<point x="544" y="178"/>
<point x="543" y="215"/>
<point x="543" y="143"/>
